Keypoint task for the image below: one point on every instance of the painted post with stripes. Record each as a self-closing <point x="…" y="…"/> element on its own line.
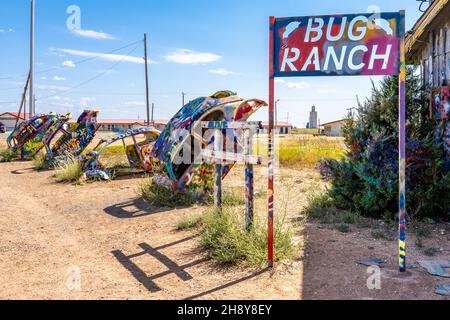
<point x="249" y="181"/>
<point x="402" y="146"/>
<point x="218" y="147"/>
<point x="270" y="145"/>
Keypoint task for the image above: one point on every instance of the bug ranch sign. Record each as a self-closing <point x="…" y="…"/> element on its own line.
<point x="339" y="45"/>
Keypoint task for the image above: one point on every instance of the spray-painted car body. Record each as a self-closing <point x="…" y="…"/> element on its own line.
<point x="137" y="153"/>
<point x="182" y="129"/>
<point x="28" y="138"/>
<point x="74" y="139"/>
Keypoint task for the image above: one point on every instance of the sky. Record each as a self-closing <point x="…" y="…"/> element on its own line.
<point x="194" y="46"/>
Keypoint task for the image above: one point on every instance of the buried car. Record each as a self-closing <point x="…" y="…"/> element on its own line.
<point x="27" y="139"/>
<point x="73" y="140"/>
<point x="137" y="153"/>
<point x="185" y="134"/>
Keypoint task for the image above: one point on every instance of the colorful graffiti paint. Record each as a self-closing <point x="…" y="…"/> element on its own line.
<point x="355" y="44"/>
<point x="440" y="111"/>
<point x="185" y="128"/>
<point x="28" y="138"/>
<point x="138" y="154"/>
<point x="75" y="138"/>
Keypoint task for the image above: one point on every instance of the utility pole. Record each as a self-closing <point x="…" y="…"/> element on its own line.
<point x="276" y="112"/>
<point x="153" y="110"/>
<point x="31" y="98"/>
<point x="147" y="95"/>
<point x="183" y="95"/>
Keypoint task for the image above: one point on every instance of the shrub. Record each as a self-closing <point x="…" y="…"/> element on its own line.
<point x="189" y="223"/>
<point x="366" y="180"/>
<point x="163" y="196"/>
<point x="68" y="171"/>
<point x="7" y="155"/>
<point x="39" y="161"/>
<point x="228" y="243"/>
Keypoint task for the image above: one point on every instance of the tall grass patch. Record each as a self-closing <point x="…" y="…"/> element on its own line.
<point x="163" y="196"/>
<point x="7" y="155"/>
<point x="68" y="171"/>
<point x="227" y="242"/>
<point x="39" y="161"/>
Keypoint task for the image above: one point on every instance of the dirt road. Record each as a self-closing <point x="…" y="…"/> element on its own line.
<point x="101" y="241"/>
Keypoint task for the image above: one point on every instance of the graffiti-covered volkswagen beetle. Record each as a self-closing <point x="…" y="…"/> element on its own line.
<point x="74" y="139"/>
<point x="27" y="139"/>
<point x="184" y="133"/>
<point x="137" y="145"/>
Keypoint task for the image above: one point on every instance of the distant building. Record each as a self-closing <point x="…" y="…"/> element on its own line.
<point x="333" y="129"/>
<point x="313" y="122"/>
<point x="280" y="128"/>
<point x="9" y="119"/>
<point x="124" y="125"/>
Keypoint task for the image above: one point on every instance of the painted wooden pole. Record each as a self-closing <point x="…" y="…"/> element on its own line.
<point x="270" y="197"/>
<point x="402" y="146"/>
<point x="218" y="146"/>
<point x="249" y="181"/>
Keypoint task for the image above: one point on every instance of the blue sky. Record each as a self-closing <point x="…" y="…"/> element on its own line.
<point x="195" y="46"/>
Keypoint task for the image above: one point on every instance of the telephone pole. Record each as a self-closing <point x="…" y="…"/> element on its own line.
<point x="153" y="110"/>
<point x="31" y="98"/>
<point x="146" y="80"/>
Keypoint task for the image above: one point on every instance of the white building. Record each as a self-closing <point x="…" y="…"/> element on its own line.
<point x="333" y="129"/>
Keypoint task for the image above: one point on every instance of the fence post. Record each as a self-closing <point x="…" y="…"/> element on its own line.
<point x="249" y="181"/>
<point x="218" y="147"/>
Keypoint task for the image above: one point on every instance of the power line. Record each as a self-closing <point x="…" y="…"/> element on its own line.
<point x="76" y="62"/>
<point x="88" y="80"/>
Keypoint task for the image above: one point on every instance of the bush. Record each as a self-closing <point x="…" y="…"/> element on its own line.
<point x="189" y="223"/>
<point x="163" y="196"/>
<point x="366" y="180"/>
<point x="68" y="171"/>
<point x="7" y="155"/>
<point x="39" y="161"/>
<point x="228" y="243"/>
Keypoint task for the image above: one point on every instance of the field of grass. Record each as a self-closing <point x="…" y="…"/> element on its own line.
<point x="303" y="151"/>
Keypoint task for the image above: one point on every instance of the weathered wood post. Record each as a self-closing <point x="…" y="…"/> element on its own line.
<point x="249" y="180"/>
<point x="218" y="146"/>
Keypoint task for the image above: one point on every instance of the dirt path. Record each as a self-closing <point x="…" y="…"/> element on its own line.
<point x="123" y="249"/>
<point x="49" y="231"/>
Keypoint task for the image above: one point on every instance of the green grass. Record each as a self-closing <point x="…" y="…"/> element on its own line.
<point x="344" y="228"/>
<point x="7" y="155"/>
<point x="188" y="223"/>
<point x="228" y="243"/>
<point x="305" y="131"/>
<point x="299" y="152"/>
<point x="39" y="161"/>
<point x="163" y="196"/>
<point x="68" y="171"/>
<point x="430" y="251"/>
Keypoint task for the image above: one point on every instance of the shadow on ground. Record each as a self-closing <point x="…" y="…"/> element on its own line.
<point x="133" y="208"/>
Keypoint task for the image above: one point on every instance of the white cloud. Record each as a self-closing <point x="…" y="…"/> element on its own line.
<point x="57" y="78"/>
<point x="51" y="87"/>
<point x="85" y="101"/>
<point x="298" y="85"/>
<point x="225" y="72"/>
<point x="68" y="64"/>
<point x="107" y="57"/>
<point x="91" y="34"/>
<point x="279" y="80"/>
<point x="185" y="56"/>
<point x="135" y="103"/>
